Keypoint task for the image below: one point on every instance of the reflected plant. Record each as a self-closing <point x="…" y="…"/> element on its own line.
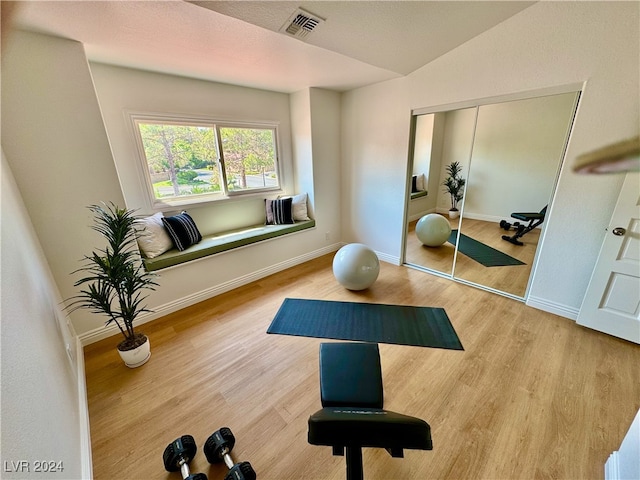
<point x="454" y="184"/>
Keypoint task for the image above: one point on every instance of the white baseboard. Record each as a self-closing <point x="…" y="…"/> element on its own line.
<point x="101" y="333"/>
<point x="484" y="218"/>
<point x="419" y="215"/>
<point x="445" y="213"/>
<point x="611" y="469"/>
<point x="551" y="307"/>
<point x="388" y="258"/>
<point x="83" y="411"/>
<point x="384" y="257"/>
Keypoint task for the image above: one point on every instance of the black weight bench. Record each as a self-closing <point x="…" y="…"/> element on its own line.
<point x="352" y="416"/>
<point x="534" y="219"/>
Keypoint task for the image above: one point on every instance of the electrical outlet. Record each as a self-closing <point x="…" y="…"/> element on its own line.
<point x="327" y="236"/>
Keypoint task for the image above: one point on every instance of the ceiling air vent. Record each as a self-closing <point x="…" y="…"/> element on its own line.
<point x="301" y="23"/>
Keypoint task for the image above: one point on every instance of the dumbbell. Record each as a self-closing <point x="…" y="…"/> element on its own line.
<point x="507" y="226"/>
<point x="179" y="454"/>
<point x="218" y="448"/>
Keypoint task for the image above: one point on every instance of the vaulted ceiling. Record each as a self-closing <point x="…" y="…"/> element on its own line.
<point x="351" y="44"/>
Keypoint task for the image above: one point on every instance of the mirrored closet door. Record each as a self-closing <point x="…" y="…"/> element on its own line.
<point x="510" y="155"/>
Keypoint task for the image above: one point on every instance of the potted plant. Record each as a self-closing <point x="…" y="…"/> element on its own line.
<point x="115" y="279"/>
<point x="454" y="186"/>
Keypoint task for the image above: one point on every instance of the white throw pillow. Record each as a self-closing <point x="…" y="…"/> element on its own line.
<point x="152" y="237"/>
<point x="299" y="207"/>
<point x="420" y="182"/>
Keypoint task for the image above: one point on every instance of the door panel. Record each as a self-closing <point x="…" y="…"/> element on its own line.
<point x="612" y="301"/>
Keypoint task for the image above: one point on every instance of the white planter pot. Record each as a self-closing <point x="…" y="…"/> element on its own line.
<point x="138" y="356"/>
<point x="454" y="213"/>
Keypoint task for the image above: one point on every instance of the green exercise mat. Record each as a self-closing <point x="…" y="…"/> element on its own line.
<point x="481" y="253"/>
<point x="367" y="322"/>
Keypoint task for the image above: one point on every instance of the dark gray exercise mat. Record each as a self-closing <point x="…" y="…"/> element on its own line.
<point x="481" y="253"/>
<point x="367" y="322"/>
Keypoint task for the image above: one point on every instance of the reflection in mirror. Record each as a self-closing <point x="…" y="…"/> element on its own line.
<point x="511" y="154"/>
<point x="517" y="151"/>
<point x="439" y="139"/>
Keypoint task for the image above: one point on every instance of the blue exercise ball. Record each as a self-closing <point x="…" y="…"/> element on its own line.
<point x="433" y="230"/>
<point x="356" y="266"/>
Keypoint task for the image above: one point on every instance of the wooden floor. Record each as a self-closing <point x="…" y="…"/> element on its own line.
<point x="532" y="396"/>
<point x="511" y="279"/>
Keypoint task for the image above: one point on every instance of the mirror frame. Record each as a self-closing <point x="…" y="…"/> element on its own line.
<point x="577" y="88"/>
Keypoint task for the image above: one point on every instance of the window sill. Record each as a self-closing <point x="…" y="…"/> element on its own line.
<point x="422" y="193"/>
<point x="221" y="242"/>
<point x="159" y="205"/>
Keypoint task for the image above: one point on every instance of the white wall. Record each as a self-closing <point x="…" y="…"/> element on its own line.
<point x="517" y="151"/>
<point x="422" y="146"/>
<point x="375" y="148"/>
<point x="457" y="143"/>
<point x="47" y="95"/>
<point x="302" y="143"/>
<point x="436" y="168"/>
<point x="122" y="91"/>
<point x="547" y="45"/>
<point x="56" y="143"/>
<point x="41" y="409"/>
<point x="624" y="463"/>
<point x="325" y="137"/>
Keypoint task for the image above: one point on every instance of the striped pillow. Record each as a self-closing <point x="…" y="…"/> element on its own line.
<point x="279" y="212"/>
<point x="182" y="230"/>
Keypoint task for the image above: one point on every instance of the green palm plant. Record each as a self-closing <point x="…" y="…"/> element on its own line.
<point x="114" y="278"/>
<point x="454" y="184"/>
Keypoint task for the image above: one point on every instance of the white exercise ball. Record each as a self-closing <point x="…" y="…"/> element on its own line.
<point x="433" y="230"/>
<point x="356" y="266"/>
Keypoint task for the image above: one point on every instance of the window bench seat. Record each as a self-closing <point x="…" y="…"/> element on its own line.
<point x="223" y="241"/>
<point x="418" y="194"/>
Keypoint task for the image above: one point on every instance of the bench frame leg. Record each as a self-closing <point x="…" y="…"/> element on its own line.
<point x="354" y="463"/>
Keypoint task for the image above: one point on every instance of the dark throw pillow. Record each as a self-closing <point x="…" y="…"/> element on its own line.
<point x="182" y="230"/>
<point x="279" y="211"/>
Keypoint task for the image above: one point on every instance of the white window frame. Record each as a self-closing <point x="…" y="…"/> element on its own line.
<point x="193" y="120"/>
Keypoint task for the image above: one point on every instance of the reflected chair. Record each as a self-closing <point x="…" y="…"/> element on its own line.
<point x="534" y="219"/>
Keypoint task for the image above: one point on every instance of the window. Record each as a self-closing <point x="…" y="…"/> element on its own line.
<point x="191" y="161"/>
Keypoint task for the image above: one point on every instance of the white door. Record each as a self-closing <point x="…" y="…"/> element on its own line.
<point x="612" y="302"/>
